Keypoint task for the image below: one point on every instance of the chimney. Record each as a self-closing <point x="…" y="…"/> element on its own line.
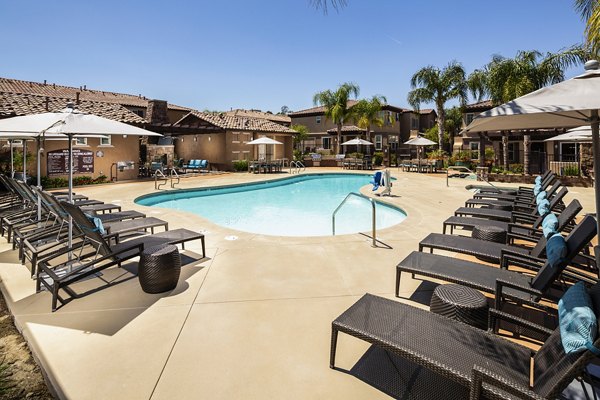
<point x="77" y="98"/>
<point x="54" y="86"/>
<point x="84" y="87"/>
<point x="44" y="82"/>
<point x="156" y="112"/>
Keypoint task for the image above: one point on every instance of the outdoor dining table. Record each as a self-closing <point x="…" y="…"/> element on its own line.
<point x="420" y="165"/>
<point x="356" y="163"/>
<point x="257" y="166"/>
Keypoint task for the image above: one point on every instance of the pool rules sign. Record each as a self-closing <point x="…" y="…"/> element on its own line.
<point x="58" y="162"/>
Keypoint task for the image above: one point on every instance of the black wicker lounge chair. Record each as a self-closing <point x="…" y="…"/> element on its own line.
<point x="547" y="179"/>
<point x="510" y="216"/>
<point x="55" y="274"/>
<point x="491" y="279"/>
<point x="435" y="357"/>
<point x="519" y="202"/>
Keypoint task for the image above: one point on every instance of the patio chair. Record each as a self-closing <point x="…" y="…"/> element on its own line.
<point x="521" y="189"/>
<point x="547" y="179"/>
<point x="502" y="281"/>
<point x="434" y="357"/>
<point x="61" y="275"/>
<point x="511" y="216"/>
<point x="524" y="202"/>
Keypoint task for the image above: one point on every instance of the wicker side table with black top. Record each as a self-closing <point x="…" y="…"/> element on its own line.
<point x="159" y="268"/>
<point x="460" y="303"/>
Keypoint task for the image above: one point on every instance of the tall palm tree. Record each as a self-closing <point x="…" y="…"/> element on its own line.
<point x="323" y="4"/>
<point x="505" y="79"/>
<point x="367" y="113"/>
<point x="590" y="12"/>
<point x="336" y="105"/>
<point x="454" y="120"/>
<point x="430" y="84"/>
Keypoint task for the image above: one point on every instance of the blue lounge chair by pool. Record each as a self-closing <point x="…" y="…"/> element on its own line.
<point x="376" y="182"/>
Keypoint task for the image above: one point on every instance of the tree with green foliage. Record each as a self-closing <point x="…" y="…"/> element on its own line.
<point x="324" y="4"/>
<point x="367" y="113"/>
<point x="454" y="121"/>
<point x="300" y="137"/>
<point x="590" y="12"/>
<point x="430" y="84"/>
<point x="336" y="105"/>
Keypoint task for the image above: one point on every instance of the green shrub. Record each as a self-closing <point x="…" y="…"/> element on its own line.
<point x="490" y="154"/>
<point x="570" y="170"/>
<point x="82" y="180"/>
<point x="377" y="158"/>
<point x="497" y="170"/>
<point x="298" y="155"/>
<point x="516" y="168"/>
<point x="436" y="154"/>
<point x="240" y="165"/>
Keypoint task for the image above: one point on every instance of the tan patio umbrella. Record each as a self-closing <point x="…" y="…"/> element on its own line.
<point x="570" y="103"/>
<point x="264" y="141"/>
<point x="419" y="142"/>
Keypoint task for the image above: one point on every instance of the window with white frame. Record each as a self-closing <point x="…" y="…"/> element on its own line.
<point x="474" y="146"/>
<point x="393" y="142"/>
<point x="318" y="119"/>
<point x="469" y="118"/>
<point x="326" y="143"/>
<point x="414" y="122"/>
<point x="235" y="137"/>
<point x="106" y="141"/>
<point x="81" y="141"/>
<point x="378" y="142"/>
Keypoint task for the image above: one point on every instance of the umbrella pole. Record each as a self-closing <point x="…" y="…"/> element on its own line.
<point x="70" y="189"/>
<point x="25" y="161"/>
<point x="39" y="178"/>
<point x="595" y="122"/>
<point x="12" y="163"/>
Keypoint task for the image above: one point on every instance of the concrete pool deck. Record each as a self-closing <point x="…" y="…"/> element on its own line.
<point x="252" y="319"/>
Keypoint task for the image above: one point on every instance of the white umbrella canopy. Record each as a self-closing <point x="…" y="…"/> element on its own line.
<point x="356" y="142"/>
<point x="264" y="140"/>
<point x="420" y="141"/>
<point x="570" y="103"/>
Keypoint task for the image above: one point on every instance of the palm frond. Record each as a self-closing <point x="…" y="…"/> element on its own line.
<point x="324" y="4"/>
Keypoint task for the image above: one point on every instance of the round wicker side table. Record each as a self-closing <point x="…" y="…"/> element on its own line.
<point x="460" y="303"/>
<point x="159" y="268"/>
<point x="491" y="234"/>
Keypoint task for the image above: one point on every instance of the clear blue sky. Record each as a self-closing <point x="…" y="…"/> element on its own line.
<point x="267" y="53"/>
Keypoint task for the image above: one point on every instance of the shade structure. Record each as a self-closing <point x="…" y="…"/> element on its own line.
<point x="264" y="140"/>
<point x="420" y="141"/>
<point x="573" y="135"/>
<point x="570" y="103"/>
<point x="69" y="123"/>
<point x="356" y="142"/>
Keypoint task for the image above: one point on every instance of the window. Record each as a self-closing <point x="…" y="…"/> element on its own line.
<point x="513" y="153"/>
<point x="469" y="118"/>
<point x="378" y="142"/>
<point x="568" y="152"/>
<point x="235" y="137"/>
<point x="318" y="119"/>
<point x="393" y="142"/>
<point x="388" y="119"/>
<point x="397" y="116"/>
<point x="414" y="122"/>
<point x="140" y="113"/>
<point x="107" y="141"/>
<point x="474" y="146"/>
<point x="81" y="141"/>
<point x="327" y="143"/>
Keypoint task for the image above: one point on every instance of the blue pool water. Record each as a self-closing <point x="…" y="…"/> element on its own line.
<point x="297" y="206"/>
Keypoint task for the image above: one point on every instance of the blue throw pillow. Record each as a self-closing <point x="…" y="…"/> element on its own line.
<point x="577" y="320"/>
<point x="540" y="196"/>
<point x="544" y="207"/>
<point x="550" y="225"/>
<point x="537" y="189"/>
<point x="556" y="251"/>
<point x="97" y="223"/>
<point x="538" y="180"/>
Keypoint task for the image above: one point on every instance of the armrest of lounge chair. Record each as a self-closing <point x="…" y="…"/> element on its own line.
<point x="510" y="257"/>
<point x="519" y="216"/>
<point x="482" y="376"/>
<point x="502" y="285"/>
<point x="496" y="315"/>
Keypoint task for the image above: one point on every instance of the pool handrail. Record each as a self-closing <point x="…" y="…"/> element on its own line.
<point x="374" y="214"/>
<point x="463" y="168"/>
<point x="298" y="165"/>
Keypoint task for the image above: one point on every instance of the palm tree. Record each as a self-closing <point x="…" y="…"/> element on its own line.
<point x="590" y="12"/>
<point x="454" y="120"/>
<point x="367" y="113"/>
<point x="430" y="84"/>
<point x="336" y="105"/>
<point x="505" y="79"/>
<point x="322" y="4"/>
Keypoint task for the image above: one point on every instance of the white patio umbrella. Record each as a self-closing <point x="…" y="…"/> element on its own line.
<point x="264" y="140"/>
<point x="419" y="142"/>
<point x="357" y="142"/>
<point x="70" y="123"/>
<point x="570" y="103"/>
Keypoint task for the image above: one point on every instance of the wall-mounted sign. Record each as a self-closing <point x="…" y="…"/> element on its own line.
<point x="58" y="162"/>
<point x="99" y="153"/>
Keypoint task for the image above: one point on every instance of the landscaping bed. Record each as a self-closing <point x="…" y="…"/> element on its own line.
<point x="20" y="376"/>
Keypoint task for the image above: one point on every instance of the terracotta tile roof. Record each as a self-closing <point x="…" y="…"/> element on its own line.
<point x="480" y="106"/>
<point x="347" y="128"/>
<point x="12" y="104"/>
<point x="260" y="114"/>
<point x="237" y="123"/>
<point x="317" y="110"/>
<point x="426" y="111"/>
<point x="52" y="90"/>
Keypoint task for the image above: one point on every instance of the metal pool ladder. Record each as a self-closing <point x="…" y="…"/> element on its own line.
<point x="374" y="214"/>
<point x="297" y="166"/>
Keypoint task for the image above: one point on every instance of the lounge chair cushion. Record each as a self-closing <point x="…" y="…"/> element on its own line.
<point x="543" y="207"/>
<point x="541" y="196"/>
<point x="538" y="180"/>
<point x="537" y="189"/>
<point x="203" y="163"/>
<point x="550" y="225"/>
<point x="577" y="321"/>
<point x="556" y="250"/>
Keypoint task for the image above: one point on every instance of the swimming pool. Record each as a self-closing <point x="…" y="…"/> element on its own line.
<point x="297" y="206"/>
